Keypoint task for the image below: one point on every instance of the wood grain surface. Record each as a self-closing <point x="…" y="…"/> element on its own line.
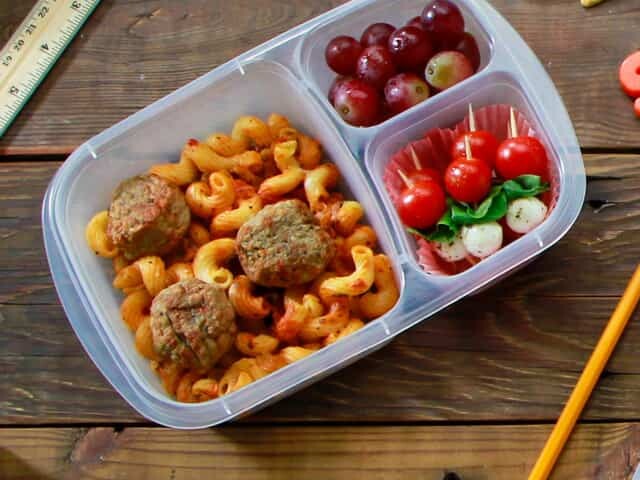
<point x="607" y="451"/>
<point x="131" y="53"/>
<point x="472" y="391"/>
<point x="510" y="353"/>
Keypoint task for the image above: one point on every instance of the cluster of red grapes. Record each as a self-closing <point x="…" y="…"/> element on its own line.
<point x="391" y="69"/>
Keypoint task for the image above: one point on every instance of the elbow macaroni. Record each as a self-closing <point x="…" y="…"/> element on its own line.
<point x="310" y="151"/>
<point x="318" y="181"/>
<point x="226" y="180"/>
<point x="231" y="220"/>
<point x="247" y="305"/>
<point x="292" y="175"/>
<point x="254" y="345"/>
<point x="97" y="238"/>
<point x="205" y="199"/>
<point x="358" y="282"/>
<point x="373" y="305"/>
<point x="181" y="173"/>
<point x="207" y="265"/>
<point x="252" y="131"/>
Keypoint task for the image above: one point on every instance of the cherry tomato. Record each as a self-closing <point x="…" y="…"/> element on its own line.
<point x="468" y="179"/>
<point x="422" y="204"/>
<point x="520" y="156"/>
<point x="484" y="146"/>
<point x="424" y="174"/>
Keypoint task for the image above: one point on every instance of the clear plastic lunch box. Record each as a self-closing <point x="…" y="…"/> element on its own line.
<point x="288" y="75"/>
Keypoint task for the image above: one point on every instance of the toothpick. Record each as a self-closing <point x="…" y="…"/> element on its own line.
<point x="472" y="119"/>
<point x="416" y="160"/>
<point x="467" y="147"/>
<point x="407" y="181"/>
<point x="513" y="126"/>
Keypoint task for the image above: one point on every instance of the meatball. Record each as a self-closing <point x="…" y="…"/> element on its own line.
<point x="192" y="323"/>
<point x="147" y="216"/>
<point x="282" y="246"/>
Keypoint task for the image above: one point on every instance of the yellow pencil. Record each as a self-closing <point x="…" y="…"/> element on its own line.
<point x="587" y="380"/>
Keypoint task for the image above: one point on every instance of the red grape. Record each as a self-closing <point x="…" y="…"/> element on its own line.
<point x="411" y="48"/>
<point x="404" y="91"/>
<point x="376" y="34"/>
<point x="341" y="54"/>
<point x="357" y="102"/>
<point x="445" y="69"/>
<point x="416" y="22"/>
<point x="375" y="66"/>
<point x="469" y="48"/>
<point x="444" y="21"/>
<point x="334" y="87"/>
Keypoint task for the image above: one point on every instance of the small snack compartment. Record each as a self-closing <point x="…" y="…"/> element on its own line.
<point x="156" y="135"/>
<point x="491" y="94"/>
<point x="353" y="22"/>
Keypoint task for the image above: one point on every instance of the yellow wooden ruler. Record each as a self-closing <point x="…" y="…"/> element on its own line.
<point x="34" y="48"/>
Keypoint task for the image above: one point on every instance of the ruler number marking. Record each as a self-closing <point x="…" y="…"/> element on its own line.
<point x="34" y="48"/>
<point x="18" y="45"/>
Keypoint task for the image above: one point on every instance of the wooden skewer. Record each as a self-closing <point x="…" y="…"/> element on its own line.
<point x="587" y="380"/>
<point x="416" y="160"/>
<point x="472" y="119"/>
<point x="407" y="181"/>
<point x="467" y="147"/>
<point x="513" y="126"/>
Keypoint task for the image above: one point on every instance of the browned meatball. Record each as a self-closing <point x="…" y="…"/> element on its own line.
<point x="192" y="323"/>
<point x="147" y="216"/>
<point x="282" y="246"/>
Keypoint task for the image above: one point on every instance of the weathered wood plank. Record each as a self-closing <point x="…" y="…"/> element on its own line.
<point x="508" y="361"/>
<point x="513" y="352"/>
<point x="140" y="51"/>
<point x="595" y="258"/>
<point x="472" y="452"/>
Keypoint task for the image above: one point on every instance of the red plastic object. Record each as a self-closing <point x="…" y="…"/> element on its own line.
<point x="630" y="75"/>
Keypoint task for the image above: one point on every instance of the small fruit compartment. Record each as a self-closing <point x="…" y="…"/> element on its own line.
<point x="157" y="135"/>
<point x="491" y="95"/>
<point x="320" y="76"/>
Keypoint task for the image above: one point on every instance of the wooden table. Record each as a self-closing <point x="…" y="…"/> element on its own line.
<point x="474" y="390"/>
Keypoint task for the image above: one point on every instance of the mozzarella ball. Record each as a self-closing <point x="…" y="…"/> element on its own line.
<point x="451" y="250"/>
<point x="525" y="214"/>
<point x="483" y="239"/>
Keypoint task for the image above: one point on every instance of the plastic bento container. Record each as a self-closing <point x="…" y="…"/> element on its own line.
<point x="288" y="75"/>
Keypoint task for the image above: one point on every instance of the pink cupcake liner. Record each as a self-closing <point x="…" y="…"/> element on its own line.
<point x="434" y="150"/>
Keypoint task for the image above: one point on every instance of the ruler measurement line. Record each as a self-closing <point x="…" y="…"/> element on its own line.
<point x="34" y="48"/>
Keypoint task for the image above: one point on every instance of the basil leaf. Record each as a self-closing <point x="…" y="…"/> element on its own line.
<point x="524" y="186"/>
<point x="443" y="231"/>
<point x="492" y="208"/>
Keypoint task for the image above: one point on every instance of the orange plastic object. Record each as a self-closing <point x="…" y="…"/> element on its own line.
<point x="630" y="75"/>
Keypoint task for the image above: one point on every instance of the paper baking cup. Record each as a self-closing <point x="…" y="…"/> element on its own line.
<point x="434" y="151"/>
